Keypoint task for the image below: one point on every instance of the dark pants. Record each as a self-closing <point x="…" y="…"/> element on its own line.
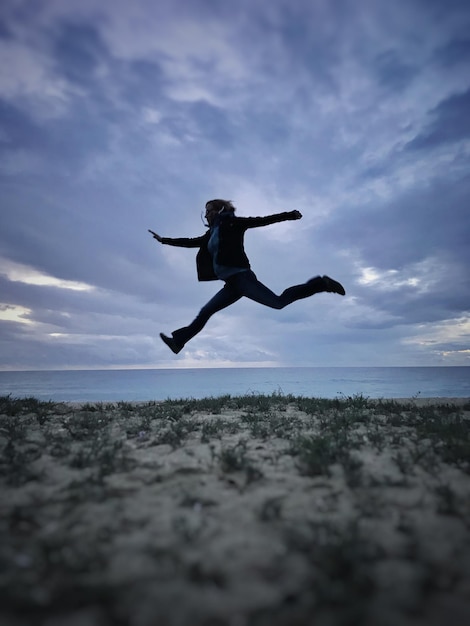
<point x="246" y="284"/>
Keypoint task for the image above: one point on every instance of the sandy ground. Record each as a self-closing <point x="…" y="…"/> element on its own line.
<point x="255" y="511"/>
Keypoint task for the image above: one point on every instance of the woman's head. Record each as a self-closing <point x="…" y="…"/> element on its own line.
<point x="216" y="207"/>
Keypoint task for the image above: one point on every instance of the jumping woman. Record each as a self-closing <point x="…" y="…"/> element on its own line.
<point x="221" y="256"/>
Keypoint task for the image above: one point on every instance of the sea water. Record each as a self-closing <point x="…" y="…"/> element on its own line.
<point x="161" y="384"/>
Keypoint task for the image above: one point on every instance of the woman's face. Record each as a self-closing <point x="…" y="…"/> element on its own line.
<point x="211" y="212"/>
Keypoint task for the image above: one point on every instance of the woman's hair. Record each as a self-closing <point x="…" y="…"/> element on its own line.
<point x="221" y="205"/>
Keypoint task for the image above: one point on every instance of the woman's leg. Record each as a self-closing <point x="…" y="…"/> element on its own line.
<point x="222" y="299"/>
<point x="249" y="286"/>
<point x="246" y="284"/>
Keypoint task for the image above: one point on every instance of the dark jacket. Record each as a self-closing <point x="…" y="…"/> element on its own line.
<point x="231" y="252"/>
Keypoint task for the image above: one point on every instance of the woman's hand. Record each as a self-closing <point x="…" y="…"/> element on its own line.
<point x="155" y="236"/>
<point x="296" y="215"/>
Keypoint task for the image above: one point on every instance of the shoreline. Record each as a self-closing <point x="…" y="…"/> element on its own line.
<point x="254" y="510"/>
<point x="418" y="401"/>
<point x="456" y="401"/>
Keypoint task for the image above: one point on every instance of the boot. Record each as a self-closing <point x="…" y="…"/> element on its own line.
<point x="171" y="343"/>
<point x="333" y="286"/>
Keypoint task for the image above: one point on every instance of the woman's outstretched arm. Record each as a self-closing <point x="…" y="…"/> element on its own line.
<point x="253" y="222"/>
<point x="156" y="236"/>
<point x="182" y="242"/>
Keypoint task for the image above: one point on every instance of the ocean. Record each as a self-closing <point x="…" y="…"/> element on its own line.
<point x="162" y="384"/>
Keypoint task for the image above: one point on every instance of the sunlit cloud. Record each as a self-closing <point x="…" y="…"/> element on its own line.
<point x="453" y="353"/>
<point x="17" y="272"/>
<point x="421" y="275"/>
<point x="388" y="279"/>
<point x="442" y="334"/>
<point x="84" y="337"/>
<point x="15" y="313"/>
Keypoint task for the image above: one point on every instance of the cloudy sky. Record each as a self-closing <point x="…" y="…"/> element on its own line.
<point x="116" y="117"/>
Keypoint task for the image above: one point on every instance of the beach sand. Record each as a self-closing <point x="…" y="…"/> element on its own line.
<point x="250" y="511"/>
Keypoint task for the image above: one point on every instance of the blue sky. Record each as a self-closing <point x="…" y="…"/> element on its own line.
<point x="119" y="117"/>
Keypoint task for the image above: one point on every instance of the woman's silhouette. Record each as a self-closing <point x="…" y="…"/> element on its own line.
<point x="222" y="256"/>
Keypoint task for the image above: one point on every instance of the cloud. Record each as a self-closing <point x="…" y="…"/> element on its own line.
<point x="393" y="72"/>
<point x="449" y="123"/>
<point x="119" y="118"/>
<point x="16" y="272"/>
<point x="454" y="53"/>
<point x="79" y="52"/>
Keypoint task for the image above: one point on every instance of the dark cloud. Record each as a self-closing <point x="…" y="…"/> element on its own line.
<point x="450" y="123"/>
<point x="141" y="83"/>
<point x="455" y="52"/>
<point x="421" y="222"/>
<point x="418" y="245"/>
<point x="446" y="298"/>
<point x="202" y="122"/>
<point x="78" y="50"/>
<point x="309" y="50"/>
<point x="392" y="72"/>
<point x="214" y="124"/>
<point x="442" y="12"/>
<point x="5" y="31"/>
<point x="18" y="130"/>
<point x="65" y="142"/>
